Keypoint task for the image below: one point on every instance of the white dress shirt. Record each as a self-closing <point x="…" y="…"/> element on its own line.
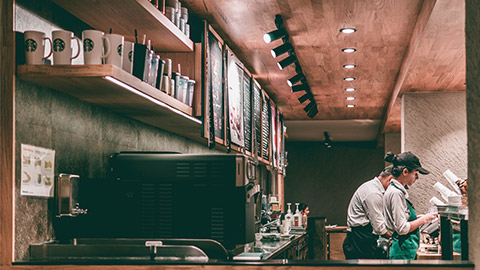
<point x="366" y="206"/>
<point x="395" y="209"/>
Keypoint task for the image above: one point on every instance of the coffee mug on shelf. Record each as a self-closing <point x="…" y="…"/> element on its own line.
<point x="128" y="56"/>
<point x="96" y="47"/>
<point x="62" y="47"/>
<point x="115" y="57"/>
<point x="34" y="45"/>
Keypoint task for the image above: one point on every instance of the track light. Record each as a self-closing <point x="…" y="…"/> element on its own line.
<point x="295" y="79"/>
<point x="285" y="47"/>
<point x="312" y="112"/>
<point x="305" y="97"/>
<point x="327" y="141"/>
<point x="309" y="106"/>
<point x="274" y="35"/>
<point x="286" y="62"/>
<point x="300" y="87"/>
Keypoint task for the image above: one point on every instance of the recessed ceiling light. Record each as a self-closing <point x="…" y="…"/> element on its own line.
<point x="350" y="98"/>
<point x="348" y="30"/>
<point x="349" y="50"/>
<point x="349" y="79"/>
<point x="350" y="66"/>
<point x="350" y="106"/>
<point x="350" y="89"/>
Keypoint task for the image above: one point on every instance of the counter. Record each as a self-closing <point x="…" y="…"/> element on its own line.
<point x="290" y="247"/>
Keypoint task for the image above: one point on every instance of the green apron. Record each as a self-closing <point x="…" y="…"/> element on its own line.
<point x="405" y="246"/>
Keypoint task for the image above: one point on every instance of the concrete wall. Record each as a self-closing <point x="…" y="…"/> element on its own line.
<point x="472" y="29"/>
<point x="83" y="136"/>
<point x="327" y="178"/>
<point x="393" y="143"/>
<point x="434" y="129"/>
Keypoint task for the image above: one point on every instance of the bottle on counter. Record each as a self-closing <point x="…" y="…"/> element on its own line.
<point x="297" y="218"/>
<point x="304" y="220"/>
<point x="288" y="218"/>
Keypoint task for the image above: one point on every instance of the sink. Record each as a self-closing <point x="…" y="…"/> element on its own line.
<point x="131" y="249"/>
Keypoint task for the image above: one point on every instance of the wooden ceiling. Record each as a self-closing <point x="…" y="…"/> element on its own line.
<point x="402" y="46"/>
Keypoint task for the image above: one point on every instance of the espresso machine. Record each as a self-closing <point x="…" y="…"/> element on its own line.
<point x="171" y="195"/>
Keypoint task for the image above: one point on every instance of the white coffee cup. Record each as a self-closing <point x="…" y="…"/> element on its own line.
<point x="128" y="52"/>
<point x="115" y="57"/>
<point x="96" y="47"/>
<point x="34" y="45"/>
<point x="62" y="47"/>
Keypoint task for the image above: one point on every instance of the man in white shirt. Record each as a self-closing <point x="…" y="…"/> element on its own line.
<point x="365" y="219"/>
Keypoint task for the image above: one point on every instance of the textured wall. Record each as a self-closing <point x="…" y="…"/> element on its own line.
<point x="434" y="129"/>
<point x="327" y="178"/>
<point x="393" y="143"/>
<point x="83" y="136"/>
<point x="472" y="29"/>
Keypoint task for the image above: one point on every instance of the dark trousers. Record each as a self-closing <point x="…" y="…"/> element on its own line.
<point x="361" y="243"/>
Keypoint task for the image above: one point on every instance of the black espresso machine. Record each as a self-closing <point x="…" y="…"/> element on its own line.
<point x="171" y="195"/>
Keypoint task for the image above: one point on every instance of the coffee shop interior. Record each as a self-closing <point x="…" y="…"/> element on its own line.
<point x="140" y="134"/>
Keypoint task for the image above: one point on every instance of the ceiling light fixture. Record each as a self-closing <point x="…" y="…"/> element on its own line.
<point x="350" y="106"/>
<point x="312" y="112"/>
<point x="286" y="62"/>
<point x="309" y="106"/>
<point x="295" y="79"/>
<point x="350" y="98"/>
<point x="348" y="30"/>
<point x="274" y="35"/>
<point x="305" y="97"/>
<point x="285" y="47"/>
<point x="300" y="87"/>
<point x="349" y="79"/>
<point x="349" y="66"/>
<point x="349" y="50"/>
<point x="326" y="140"/>
<point x="350" y="89"/>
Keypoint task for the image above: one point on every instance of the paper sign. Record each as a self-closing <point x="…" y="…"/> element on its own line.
<point x="37" y="171"/>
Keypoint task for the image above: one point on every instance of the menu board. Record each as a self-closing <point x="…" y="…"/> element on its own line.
<point x="273" y="132"/>
<point x="265" y="127"/>
<point x="235" y="99"/>
<point x="215" y="85"/>
<point x="282" y="142"/>
<point x="247" y="112"/>
<point x="257" y="119"/>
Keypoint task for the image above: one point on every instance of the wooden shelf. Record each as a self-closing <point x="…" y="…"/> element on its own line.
<point x="124" y="16"/>
<point x="113" y="88"/>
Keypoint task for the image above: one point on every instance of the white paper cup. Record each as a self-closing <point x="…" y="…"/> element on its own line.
<point x="128" y="52"/>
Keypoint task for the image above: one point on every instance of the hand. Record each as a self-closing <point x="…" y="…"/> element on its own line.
<point x="427" y="218"/>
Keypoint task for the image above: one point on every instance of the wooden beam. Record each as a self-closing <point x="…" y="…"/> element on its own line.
<point x="7" y="132"/>
<point x="415" y="39"/>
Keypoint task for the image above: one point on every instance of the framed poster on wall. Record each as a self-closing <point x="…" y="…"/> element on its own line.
<point x="214" y="124"/>
<point x="257" y="119"/>
<point x="265" y="127"/>
<point x="273" y="133"/>
<point x="247" y="111"/>
<point x="234" y="84"/>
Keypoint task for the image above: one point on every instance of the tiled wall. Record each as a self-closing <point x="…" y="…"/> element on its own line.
<point x="434" y="129"/>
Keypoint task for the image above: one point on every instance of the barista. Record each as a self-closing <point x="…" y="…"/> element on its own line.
<point x="400" y="217"/>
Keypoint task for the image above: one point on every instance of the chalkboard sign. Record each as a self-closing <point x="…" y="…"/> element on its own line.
<point x="257" y="119"/>
<point x="282" y="142"/>
<point x="247" y="112"/>
<point x="273" y="133"/>
<point x="215" y="75"/>
<point x="265" y="127"/>
<point x="235" y="99"/>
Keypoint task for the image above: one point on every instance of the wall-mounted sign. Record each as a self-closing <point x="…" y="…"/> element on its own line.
<point x="235" y="99"/>
<point x="247" y="112"/>
<point x="37" y="176"/>
<point x="257" y="120"/>
<point x="265" y="127"/>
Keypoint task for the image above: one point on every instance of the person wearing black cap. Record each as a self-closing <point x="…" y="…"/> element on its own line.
<point x="365" y="219"/>
<point x="400" y="217"/>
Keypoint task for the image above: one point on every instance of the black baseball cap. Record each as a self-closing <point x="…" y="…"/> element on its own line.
<point x="411" y="161"/>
